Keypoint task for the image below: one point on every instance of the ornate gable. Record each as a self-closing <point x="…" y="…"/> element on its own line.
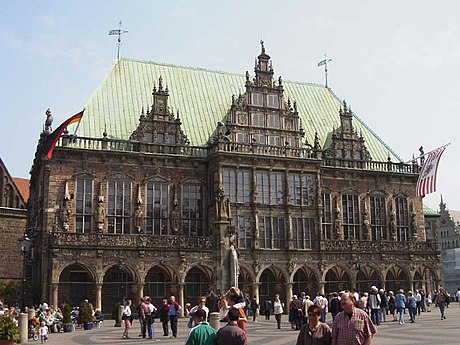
<point x="262" y="116"/>
<point x="345" y="147"/>
<point x="159" y="125"/>
<point x="10" y="195"/>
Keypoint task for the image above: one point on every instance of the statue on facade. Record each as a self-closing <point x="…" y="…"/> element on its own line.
<point x="338" y="224"/>
<point x="366" y="225"/>
<point x="48" y="121"/>
<point x="65" y="215"/>
<point x="221" y="209"/>
<point x="233" y="266"/>
<point x="139" y="218"/>
<point x="392" y="226"/>
<point x="413" y="225"/>
<point x="175" y="219"/>
<point x="100" y="213"/>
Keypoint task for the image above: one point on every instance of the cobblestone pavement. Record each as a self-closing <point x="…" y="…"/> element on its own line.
<point x="429" y="329"/>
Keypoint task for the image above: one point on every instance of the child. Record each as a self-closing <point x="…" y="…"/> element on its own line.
<point x="43" y="332"/>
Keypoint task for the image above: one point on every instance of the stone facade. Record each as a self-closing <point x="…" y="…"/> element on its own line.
<point x="13" y="219"/>
<point x="154" y="215"/>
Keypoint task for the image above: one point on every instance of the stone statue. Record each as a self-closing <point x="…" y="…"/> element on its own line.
<point x="139" y="218"/>
<point x="413" y="225"/>
<point x="175" y="219"/>
<point x="366" y="225"/>
<point x="65" y="214"/>
<point x="338" y="224"/>
<point x="247" y="76"/>
<point x="48" y="121"/>
<point x="392" y="226"/>
<point x="100" y="213"/>
<point x="221" y="209"/>
<point x="234" y="266"/>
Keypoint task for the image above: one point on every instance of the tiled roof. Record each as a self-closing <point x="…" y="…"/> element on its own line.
<point x="23" y="187"/>
<point x="204" y="98"/>
<point x="455" y="215"/>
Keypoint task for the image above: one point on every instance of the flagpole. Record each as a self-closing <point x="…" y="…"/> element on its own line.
<point x="414" y="159"/>
<point x="78" y="124"/>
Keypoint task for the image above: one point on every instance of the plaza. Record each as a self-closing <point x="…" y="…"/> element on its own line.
<point x="427" y="330"/>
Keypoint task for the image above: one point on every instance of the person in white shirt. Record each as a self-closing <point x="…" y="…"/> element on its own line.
<point x="43" y="332"/>
<point x="127" y="318"/>
<point x="278" y="310"/>
<point x="457" y="294"/>
<point x="201" y="305"/>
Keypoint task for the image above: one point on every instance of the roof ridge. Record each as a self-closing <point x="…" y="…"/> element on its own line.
<point x="213" y="71"/>
<point x="369" y="129"/>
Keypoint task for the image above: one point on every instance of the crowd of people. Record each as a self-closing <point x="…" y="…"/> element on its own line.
<point x="353" y="315"/>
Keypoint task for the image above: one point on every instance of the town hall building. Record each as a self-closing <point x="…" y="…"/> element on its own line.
<point x="183" y="180"/>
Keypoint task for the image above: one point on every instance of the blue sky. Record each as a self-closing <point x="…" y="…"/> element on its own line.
<point x="396" y="62"/>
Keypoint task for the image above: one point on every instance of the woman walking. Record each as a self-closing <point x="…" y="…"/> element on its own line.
<point x="392" y="304"/>
<point x="314" y="332"/>
<point x="278" y="310"/>
<point x="127" y="318"/>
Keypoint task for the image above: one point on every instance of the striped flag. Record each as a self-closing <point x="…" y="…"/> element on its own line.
<point x="426" y="183"/>
<point x="51" y="141"/>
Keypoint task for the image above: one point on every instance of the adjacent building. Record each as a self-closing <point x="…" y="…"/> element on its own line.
<point x="214" y="179"/>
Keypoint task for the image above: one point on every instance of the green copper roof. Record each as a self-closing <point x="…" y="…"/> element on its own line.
<point x="429" y="212"/>
<point x="204" y="98"/>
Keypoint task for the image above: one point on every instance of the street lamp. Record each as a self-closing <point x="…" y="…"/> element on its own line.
<point x="26" y="246"/>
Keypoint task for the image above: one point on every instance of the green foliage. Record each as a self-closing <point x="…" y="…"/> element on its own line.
<point x="87" y="312"/>
<point x="66" y="314"/>
<point x="115" y="309"/>
<point x="9" y="292"/>
<point x="8" y="329"/>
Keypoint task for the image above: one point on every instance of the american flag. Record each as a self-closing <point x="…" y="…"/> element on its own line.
<point x="426" y="183"/>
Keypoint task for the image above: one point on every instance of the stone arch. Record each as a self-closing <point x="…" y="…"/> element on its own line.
<point x="396" y="277"/>
<point x="197" y="282"/>
<point x="159" y="283"/>
<point x="272" y="280"/>
<point x="424" y="278"/>
<point x="305" y="279"/>
<point x="245" y="280"/>
<point x="119" y="283"/>
<point x="337" y="278"/>
<point x="366" y="277"/>
<point x="76" y="282"/>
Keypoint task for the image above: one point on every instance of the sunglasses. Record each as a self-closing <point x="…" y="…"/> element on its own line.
<point x="314" y="314"/>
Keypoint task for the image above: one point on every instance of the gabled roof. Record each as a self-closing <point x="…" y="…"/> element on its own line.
<point x="429" y="212"/>
<point x="23" y="185"/>
<point x="204" y="98"/>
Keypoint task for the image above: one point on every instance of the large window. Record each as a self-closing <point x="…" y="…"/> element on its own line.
<point x="327" y="217"/>
<point x="402" y="219"/>
<point x="237" y="185"/>
<point x="192" y="210"/>
<point x="244" y="226"/>
<point x="83" y="205"/>
<point x="257" y="99"/>
<point x="303" y="232"/>
<point x="378" y="218"/>
<point x="119" y="207"/>
<point x="271" y="232"/>
<point x="157" y="209"/>
<point x="270" y="188"/>
<point x="302" y="189"/>
<point x="351" y="223"/>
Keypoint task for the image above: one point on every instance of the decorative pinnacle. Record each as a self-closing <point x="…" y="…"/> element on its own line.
<point x="262" y="45"/>
<point x="160" y="84"/>
<point x="105" y="131"/>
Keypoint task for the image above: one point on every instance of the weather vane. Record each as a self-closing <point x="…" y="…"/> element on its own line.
<point x="118" y="32"/>
<point x="324" y="62"/>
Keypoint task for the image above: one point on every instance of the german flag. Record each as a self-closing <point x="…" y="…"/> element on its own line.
<point x="50" y="142"/>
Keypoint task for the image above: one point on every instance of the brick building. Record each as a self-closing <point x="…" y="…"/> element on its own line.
<point x="14" y="193"/>
<point x="214" y="178"/>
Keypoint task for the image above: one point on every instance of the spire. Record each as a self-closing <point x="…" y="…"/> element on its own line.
<point x="262" y="46"/>
<point x="160" y="83"/>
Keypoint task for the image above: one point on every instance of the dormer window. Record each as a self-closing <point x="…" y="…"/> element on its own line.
<point x="258" y="119"/>
<point x="273" y="121"/>
<point x="257" y="99"/>
<point x="273" y="101"/>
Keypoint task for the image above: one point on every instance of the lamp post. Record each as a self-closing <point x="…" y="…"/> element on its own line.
<point x="26" y="245"/>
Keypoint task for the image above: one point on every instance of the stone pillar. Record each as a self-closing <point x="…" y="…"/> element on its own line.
<point x="288" y="294"/>
<point x="23" y="328"/>
<point x="121" y="308"/>
<point x="140" y="292"/>
<point x="214" y="320"/>
<point x="255" y="291"/>
<point x="99" y="296"/>
<point x="31" y="313"/>
<point x="54" y="295"/>
<point x="321" y="285"/>
<point x="180" y="293"/>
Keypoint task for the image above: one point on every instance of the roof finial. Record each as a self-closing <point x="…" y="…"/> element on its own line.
<point x="247" y="76"/>
<point x="105" y="131"/>
<point x="178" y="117"/>
<point x="160" y="84"/>
<point x="262" y="45"/>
